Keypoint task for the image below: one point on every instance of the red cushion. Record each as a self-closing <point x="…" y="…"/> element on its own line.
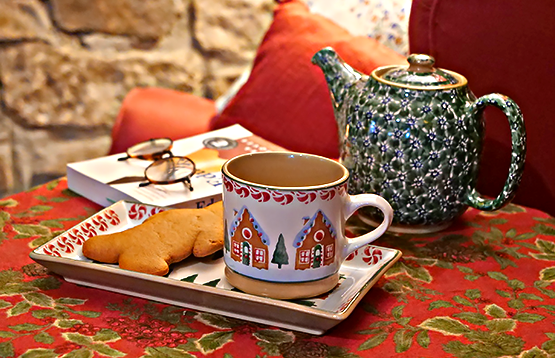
<point x="158" y="112"/>
<point x="511" y="52"/>
<point x="286" y="99"/>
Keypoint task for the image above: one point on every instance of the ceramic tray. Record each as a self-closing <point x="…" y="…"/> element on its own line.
<point x="200" y="284"/>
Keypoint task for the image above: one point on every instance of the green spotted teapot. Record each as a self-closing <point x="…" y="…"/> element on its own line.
<point x="413" y="135"/>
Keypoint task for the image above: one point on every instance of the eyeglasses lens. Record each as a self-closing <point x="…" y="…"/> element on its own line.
<point x="170" y="170"/>
<point x="150" y="147"/>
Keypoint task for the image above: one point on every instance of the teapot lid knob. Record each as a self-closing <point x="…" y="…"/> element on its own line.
<point x="419" y="74"/>
<point x="420" y="63"/>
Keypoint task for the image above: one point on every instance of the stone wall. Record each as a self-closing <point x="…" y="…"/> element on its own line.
<point x="66" y="65"/>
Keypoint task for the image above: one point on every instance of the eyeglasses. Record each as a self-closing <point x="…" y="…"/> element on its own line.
<point x="166" y="168"/>
<point x="151" y="149"/>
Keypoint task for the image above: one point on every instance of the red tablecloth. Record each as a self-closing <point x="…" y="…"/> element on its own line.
<point x="482" y="288"/>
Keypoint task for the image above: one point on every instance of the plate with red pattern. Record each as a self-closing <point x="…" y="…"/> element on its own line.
<point x="200" y="284"/>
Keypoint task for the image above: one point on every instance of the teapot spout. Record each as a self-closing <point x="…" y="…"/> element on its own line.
<point x="338" y="74"/>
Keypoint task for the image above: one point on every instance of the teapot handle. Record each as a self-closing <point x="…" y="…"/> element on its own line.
<point x="518" y="151"/>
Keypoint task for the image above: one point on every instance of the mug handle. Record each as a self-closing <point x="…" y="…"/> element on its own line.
<point x="518" y="151"/>
<point x="354" y="203"/>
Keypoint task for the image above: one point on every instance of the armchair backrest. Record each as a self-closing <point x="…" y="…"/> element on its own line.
<point x="506" y="47"/>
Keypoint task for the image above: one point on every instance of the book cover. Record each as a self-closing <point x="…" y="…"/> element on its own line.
<point x="108" y="179"/>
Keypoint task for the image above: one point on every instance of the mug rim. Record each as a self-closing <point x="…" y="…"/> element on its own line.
<point x="331" y="184"/>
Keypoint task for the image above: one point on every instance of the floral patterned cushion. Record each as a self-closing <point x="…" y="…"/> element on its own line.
<point x="385" y="20"/>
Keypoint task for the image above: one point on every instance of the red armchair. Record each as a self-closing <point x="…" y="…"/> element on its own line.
<point x="506" y="47"/>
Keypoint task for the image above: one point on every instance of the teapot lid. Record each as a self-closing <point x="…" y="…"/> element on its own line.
<point x="419" y="74"/>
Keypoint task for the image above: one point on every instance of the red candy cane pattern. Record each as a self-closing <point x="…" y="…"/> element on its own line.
<point x="137" y="212"/>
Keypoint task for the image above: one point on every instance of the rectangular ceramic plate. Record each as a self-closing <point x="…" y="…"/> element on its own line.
<point x="200" y="284"/>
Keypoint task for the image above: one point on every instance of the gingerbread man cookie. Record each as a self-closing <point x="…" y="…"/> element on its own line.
<point x="163" y="239"/>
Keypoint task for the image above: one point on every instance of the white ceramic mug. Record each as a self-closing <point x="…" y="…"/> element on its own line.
<point x="285" y="216"/>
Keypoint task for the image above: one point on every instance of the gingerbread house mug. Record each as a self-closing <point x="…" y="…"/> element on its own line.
<point x="284" y="219"/>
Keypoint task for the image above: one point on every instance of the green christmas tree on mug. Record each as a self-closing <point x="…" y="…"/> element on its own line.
<point x="280" y="256"/>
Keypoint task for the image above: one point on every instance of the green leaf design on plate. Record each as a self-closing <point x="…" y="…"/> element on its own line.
<point x="190" y="278"/>
<point x="373" y="342"/>
<point x="208" y="343"/>
<point x="212" y="283"/>
<point x="274" y="336"/>
<point x="495" y="311"/>
<point x="6" y="334"/>
<point x="547" y="274"/>
<point x="445" y="325"/>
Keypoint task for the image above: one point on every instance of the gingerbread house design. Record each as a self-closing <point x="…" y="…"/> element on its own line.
<point x="315" y="243"/>
<point x="249" y="243"/>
